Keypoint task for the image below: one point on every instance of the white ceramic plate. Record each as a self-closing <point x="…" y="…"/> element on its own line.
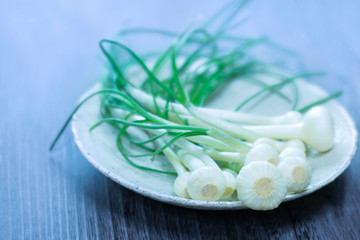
<point x="99" y="147"/>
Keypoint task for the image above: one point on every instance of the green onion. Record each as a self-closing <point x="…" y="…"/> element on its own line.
<point x="169" y="105"/>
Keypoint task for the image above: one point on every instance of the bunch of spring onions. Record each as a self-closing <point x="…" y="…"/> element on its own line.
<point x="214" y="152"/>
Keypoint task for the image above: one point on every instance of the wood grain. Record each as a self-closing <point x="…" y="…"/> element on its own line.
<point x="49" y="57"/>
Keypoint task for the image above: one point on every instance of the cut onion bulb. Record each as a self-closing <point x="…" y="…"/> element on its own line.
<point x="261" y="186"/>
<point x="262" y="152"/>
<point x="204" y="182"/>
<point x="291" y="152"/>
<point x="297" y="173"/>
<point x="279" y="145"/>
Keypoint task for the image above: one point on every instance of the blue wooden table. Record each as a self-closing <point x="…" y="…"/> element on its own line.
<point x="49" y="56"/>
